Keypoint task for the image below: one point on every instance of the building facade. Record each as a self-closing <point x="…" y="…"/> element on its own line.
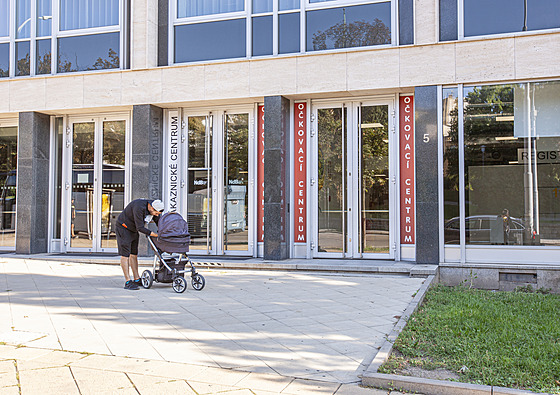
<point x="419" y="130"/>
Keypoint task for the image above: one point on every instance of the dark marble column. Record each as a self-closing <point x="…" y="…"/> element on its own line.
<point x="32" y="183"/>
<point x="147" y="157"/>
<point x="427" y="213"/>
<point x="163" y="31"/>
<point x="406" y="22"/>
<point x="448" y="25"/>
<point x="276" y="176"/>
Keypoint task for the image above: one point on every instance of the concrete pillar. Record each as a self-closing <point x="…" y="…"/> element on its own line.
<point x="276" y="176"/>
<point x="426" y="153"/>
<point x="144" y="34"/>
<point x="147" y="157"/>
<point x="32" y="183"/>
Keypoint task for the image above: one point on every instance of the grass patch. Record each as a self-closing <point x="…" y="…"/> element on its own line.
<point x="506" y="339"/>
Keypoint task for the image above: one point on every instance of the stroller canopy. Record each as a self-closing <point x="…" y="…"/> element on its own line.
<point x="173" y="233"/>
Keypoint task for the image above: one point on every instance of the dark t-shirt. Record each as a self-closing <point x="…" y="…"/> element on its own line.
<point x="133" y="215"/>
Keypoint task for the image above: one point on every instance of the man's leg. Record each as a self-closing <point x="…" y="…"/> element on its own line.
<point x="125" y="267"/>
<point x="133" y="262"/>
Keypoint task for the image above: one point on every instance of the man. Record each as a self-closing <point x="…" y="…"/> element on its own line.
<point x="131" y="221"/>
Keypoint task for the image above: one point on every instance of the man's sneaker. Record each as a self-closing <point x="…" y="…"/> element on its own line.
<point x="138" y="282"/>
<point x="130" y="285"/>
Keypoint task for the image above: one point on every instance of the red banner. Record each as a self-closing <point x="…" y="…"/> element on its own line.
<point x="406" y="137"/>
<point x="300" y="172"/>
<point x="260" y="174"/>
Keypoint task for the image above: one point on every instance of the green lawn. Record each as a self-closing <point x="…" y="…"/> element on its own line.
<point x="507" y="339"/>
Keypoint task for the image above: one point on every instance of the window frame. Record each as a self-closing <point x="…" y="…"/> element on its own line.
<point x="305" y="6"/>
<point x="7" y="123"/>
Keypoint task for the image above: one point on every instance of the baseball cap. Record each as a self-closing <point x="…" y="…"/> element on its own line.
<point x="158" y="205"/>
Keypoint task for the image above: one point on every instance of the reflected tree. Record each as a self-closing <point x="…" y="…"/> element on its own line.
<point x="44" y="63"/>
<point x="23" y="66"/>
<point x="354" y="34"/>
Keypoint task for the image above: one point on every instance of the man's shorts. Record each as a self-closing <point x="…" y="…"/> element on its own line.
<point x="127" y="241"/>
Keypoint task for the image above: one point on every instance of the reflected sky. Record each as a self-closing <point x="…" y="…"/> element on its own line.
<point x="262" y="35"/>
<point x="212" y="40"/>
<point x="91" y="52"/>
<point x="22" y="58"/>
<point x="43" y="57"/>
<point x="188" y="8"/>
<point x="4" y="18"/>
<point x="4" y="59"/>
<point x="288" y="33"/>
<point x="83" y="14"/>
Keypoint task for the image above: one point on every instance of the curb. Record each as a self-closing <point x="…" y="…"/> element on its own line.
<point x="371" y="378"/>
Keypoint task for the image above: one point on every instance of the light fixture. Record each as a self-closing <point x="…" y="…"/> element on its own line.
<point x="504" y="118"/>
<point x="371" y="125"/>
<point x="504" y="138"/>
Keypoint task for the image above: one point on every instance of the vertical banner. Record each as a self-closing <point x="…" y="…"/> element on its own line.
<point x="260" y="173"/>
<point x="173" y="149"/>
<point x="300" y="172"/>
<point x="406" y="152"/>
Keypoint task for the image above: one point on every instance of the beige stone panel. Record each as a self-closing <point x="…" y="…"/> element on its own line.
<point x="182" y="83"/>
<point x="138" y="53"/>
<point x="425" y="17"/>
<point x="226" y="80"/>
<point x="321" y="73"/>
<point x="537" y="56"/>
<point x="141" y="87"/>
<point x="65" y="92"/>
<point x="27" y="94"/>
<point x="5" y="95"/>
<point x="486" y="60"/>
<point x="273" y="76"/>
<point x="373" y="69"/>
<point x="102" y="89"/>
<point x="427" y="65"/>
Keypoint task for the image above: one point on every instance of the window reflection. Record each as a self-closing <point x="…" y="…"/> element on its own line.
<point x="91" y="52"/>
<point x="188" y="8"/>
<point x="84" y="14"/>
<point x="262" y="35"/>
<point x="451" y="165"/>
<point x="44" y="18"/>
<point x="348" y="27"/>
<point x="284" y="5"/>
<point x="22" y="58"/>
<point x="262" y="6"/>
<point x="507" y="16"/>
<point x="512" y="164"/>
<point x="211" y="40"/>
<point x="4" y="18"/>
<point x="4" y="60"/>
<point x="288" y="33"/>
<point x="43" y="57"/>
<point x="8" y="176"/>
<point x="23" y="18"/>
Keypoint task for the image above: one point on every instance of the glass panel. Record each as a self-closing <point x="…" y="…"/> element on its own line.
<point x="512" y="163"/>
<point x="236" y="182"/>
<point x="319" y="1"/>
<point x="199" y="203"/>
<point x="23" y="18"/>
<point x="22" y="58"/>
<point x="451" y="166"/>
<point x="211" y="40"/>
<point x="284" y="5"/>
<point x="262" y="6"/>
<point x="331" y="181"/>
<point x="57" y="224"/>
<point x="112" y="193"/>
<point x="374" y="215"/>
<point x="92" y="52"/>
<point x="84" y="14"/>
<point x="288" y="33"/>
<point x="262" y="35"/>
<point x="347" y="27"/>
<point x="43" y="57"/>
<point x="82" y="185"/>
<point x="8" y="177"/>
<point x="187" y="8"/>
<point x="506" y="16"/>
<point x="44" y="18"/>
<point x="4" y="18"/>
<point x="4" y="60"/>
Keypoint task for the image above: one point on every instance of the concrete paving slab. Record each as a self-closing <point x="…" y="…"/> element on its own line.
<point x="157" y="385"/>
<point x="91" y="381"/>
<point x="7" y="367"/>
<point x="48" y="381"/>
<point x="220" y="376"/>
<point x="300" y="386"/>
<point x="202" y="388"/>
<point x="267" y="382"/>
<point x="21" y="353"/>
<point x="354" y="389"/>
<point x="8" y="380"/>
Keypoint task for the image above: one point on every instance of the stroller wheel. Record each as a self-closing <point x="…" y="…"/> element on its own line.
<point x="147" y="279"/>
<point x="179" y="284"/>
<point x="197" y="282"/>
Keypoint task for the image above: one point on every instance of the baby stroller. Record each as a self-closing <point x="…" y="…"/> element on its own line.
<point x="173" y="239"/>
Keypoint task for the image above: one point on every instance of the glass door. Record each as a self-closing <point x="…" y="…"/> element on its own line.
<point x="97" y="183"/>
<point x="353" y="180"/>
<point x="220" y="180"/>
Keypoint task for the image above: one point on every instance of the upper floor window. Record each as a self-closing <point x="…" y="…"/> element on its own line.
<point x="483" y="17"/>
<point x="226" y="29"/>
<point x="50" y="38"/>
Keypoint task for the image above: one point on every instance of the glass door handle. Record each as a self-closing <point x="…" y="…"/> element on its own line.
<point x="182" y="183"/>
<point x="67" y="185"/>
<point x="312" y="181"/>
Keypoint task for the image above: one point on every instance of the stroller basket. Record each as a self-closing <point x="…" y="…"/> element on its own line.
<point x="165" y="275"/>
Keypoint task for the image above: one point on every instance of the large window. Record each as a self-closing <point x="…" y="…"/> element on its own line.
<point x="511" y="165"/>
<point x="482" y="17"/>
<point x="8" y="177"/>
<point x="88" y="36"/>
<point x="228" y="29"/>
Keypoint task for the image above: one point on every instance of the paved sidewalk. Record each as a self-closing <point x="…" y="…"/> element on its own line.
<point x="288" y="332"/>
